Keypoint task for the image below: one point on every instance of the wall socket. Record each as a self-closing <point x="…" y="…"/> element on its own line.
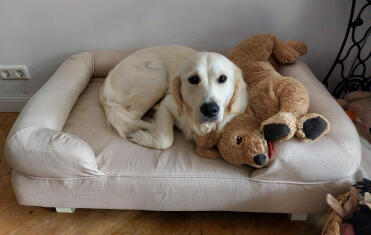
<point x="14" y="72"/>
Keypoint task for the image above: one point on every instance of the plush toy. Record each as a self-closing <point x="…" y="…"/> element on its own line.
<point x="350" y="213"/>
<point x="340" y="209"/>
<point x="357" y="105"/>
<point x="277" y="108"/>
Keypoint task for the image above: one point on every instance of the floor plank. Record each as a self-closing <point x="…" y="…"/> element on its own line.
<point x="16" y="219"/>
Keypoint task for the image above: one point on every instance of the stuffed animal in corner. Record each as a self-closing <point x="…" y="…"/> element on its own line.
<point x="277" y="108"/>
<point x="341" y="209"/>
<point x="357" y="105"/>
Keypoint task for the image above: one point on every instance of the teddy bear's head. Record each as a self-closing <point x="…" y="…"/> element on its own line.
<point x="241" y="143"/>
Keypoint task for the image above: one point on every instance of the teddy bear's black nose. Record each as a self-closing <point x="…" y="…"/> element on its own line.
<point x="259" y="159"/>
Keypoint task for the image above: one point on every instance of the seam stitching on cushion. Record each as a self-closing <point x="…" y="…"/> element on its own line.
<point x="186" y="177"/>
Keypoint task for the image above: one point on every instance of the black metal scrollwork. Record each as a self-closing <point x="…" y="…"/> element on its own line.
<point x="356" y="78"/>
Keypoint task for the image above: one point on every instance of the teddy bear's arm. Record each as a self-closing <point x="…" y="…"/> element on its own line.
<point x="209" y="140"/>
<point x="289" y="121"/>
<point x="292" y="96"/>
<point x="208" y="152"/>
<point x="293" y="103"/>
<point x="206" y="145"/>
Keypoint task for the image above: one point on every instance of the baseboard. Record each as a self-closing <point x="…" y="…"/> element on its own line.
<point x="12" y="104"/>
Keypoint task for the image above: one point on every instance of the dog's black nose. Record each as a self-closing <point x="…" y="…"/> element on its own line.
<point x="210" y="110"/>
<point x="259" y="159"/>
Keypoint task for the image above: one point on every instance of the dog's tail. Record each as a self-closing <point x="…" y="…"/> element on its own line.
<point x="120" y="119"/>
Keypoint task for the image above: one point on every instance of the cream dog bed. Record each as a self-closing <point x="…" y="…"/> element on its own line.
<point x="64" y="155"/>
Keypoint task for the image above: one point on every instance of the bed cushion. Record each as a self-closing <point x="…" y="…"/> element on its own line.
<point x="90" y="166"/>
<point x="335" y="156"/>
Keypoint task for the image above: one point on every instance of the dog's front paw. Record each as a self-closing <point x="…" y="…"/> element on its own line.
<point x="150" y="139"/>
<point x="139" y="137"/>
<point x="281" y="126"/>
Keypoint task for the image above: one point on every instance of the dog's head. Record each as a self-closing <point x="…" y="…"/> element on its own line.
<point x="209" y="85"/>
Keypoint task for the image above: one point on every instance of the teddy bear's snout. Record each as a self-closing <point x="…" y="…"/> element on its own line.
<point x="260" y="159"/>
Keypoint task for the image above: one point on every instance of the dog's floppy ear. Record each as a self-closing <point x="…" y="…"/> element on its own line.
<point x="177" y="84"/>
<point x="239" y="98"/>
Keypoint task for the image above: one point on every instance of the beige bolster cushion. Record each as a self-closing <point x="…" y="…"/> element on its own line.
<point x="42" y="152"/>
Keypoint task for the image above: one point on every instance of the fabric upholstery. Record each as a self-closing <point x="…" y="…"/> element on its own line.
<point x="50" y="106"/>
<point x="166" y="193"/>
<point x="119" y="156"/>
<point x="64" y="158"/>
<point x="35" y="145"/>
<point x="44" y="152"/>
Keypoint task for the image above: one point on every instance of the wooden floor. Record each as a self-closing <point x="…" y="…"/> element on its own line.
<point x="16" y="219"/>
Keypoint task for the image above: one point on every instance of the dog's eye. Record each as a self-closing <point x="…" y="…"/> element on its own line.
<point x="194" y="79"/>
<point x="222" y="79"/>
<point x="238" y="140"/>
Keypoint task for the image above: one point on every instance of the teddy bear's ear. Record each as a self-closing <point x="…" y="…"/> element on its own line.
<point x="177" y="84"/>
<point x="239" y="98"/>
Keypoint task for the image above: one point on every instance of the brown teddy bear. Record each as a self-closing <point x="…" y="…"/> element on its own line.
<point x="277" y="108"/>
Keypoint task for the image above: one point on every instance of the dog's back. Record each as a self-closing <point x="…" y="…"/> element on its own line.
<point x="137" y="83"/>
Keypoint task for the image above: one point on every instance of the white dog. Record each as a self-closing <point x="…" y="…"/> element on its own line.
<point x="200" y="91"/>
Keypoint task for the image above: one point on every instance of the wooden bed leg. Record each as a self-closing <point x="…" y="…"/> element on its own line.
<point x="298" y="217"/>
<point x="65" y="210"/>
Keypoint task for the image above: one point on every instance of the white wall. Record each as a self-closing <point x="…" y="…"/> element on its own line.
<point x="42" y="33"/>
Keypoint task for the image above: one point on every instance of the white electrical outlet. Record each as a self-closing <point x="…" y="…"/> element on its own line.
<point x="14" y="72"/>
